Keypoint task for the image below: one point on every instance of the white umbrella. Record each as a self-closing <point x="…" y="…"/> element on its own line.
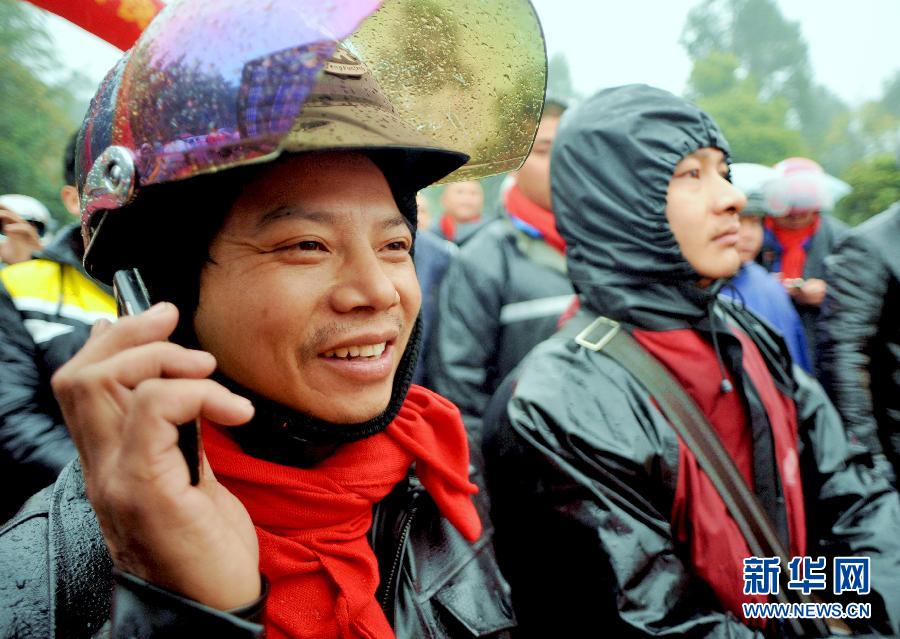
<point x="751" y="179"/>
<point x="802" y="185"/>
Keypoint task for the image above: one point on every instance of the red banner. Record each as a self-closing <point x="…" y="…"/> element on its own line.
<point x="119" y="22"/>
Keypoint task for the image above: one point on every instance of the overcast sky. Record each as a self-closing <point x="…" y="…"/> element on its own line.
<point x="853" y="47"/>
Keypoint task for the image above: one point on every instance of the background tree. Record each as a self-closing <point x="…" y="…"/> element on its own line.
<point x="876" y="185"/>
<point x="755" y="128"/>
<point x="770" y="56"/>
<point x="38" y="114"/>
<point x="752" y="73"/>
<point x="559" y="79"/>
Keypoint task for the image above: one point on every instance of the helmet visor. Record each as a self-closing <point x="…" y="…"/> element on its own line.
<point x="215" y="84"/>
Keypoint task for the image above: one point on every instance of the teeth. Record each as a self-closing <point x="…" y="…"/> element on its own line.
<point x="363" y="350"/>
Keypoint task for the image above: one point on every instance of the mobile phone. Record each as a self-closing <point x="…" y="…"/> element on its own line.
<point x="132" y="298"/>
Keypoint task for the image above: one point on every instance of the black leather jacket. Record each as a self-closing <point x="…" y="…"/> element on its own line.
<point x="860" y="340"/>
<point x="56" y="576"/>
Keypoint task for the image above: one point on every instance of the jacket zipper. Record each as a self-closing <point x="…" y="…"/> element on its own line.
<point x="398" y="556"/>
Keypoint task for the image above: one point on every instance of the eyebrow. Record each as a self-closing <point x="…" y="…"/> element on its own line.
<point x="319" y="217"/>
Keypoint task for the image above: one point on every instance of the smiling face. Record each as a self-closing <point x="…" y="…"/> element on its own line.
<point x="702" y="208"/>
<point x="311" y="295"/>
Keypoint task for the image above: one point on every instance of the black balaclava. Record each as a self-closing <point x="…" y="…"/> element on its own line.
<point x="612" y="160"/>
<point x="276" y="433"/>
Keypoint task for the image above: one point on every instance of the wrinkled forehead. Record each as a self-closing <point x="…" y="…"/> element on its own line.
<point x="329" y="189"/>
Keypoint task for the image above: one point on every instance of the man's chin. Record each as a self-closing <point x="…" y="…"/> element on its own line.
<point x="351" y="411"/>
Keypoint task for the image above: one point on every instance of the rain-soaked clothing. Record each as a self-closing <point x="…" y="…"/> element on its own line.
<point x="860" y="343"/>
<point x="47" y="308"/>
<point x="624" y="531"/>
<point x="502" y="295"/>
<point x="431" y="580"/>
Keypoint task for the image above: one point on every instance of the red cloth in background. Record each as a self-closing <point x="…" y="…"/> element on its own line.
<point x="119" y="22"/>
<point x="539" y="218"/>
<point x="312" y="522"/>
<point x="448" y="227"/>
<point x="793" y="244"/>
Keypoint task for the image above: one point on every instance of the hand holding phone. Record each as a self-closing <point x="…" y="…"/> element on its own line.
<point x="132" y="298"/>
<point x="120" y="396"/>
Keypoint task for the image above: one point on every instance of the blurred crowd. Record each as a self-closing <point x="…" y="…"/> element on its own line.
<point x="627" y="263"/>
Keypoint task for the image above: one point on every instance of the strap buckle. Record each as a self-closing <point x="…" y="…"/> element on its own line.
<point x="598" y="333"/>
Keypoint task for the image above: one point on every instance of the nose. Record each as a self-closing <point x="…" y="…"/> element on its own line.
<point x="728" y="198"/>
<point x="364" y="284"/>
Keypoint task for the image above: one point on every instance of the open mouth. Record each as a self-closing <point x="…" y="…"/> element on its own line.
<point x="357" y="352"/>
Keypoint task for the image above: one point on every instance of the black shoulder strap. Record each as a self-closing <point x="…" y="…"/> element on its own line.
<point x="608" y="336"/>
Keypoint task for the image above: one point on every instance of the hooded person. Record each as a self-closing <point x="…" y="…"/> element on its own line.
<point x="252" y="162"/>
<point x="630" y="531"/>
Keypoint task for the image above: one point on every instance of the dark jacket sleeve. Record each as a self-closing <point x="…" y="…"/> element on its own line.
<point x="850" y="510"/>
<point x="141" y="609"/>
<point x="858" y="280"/>
<point x="55" y="580"/>
<point x="34" y="441"/>
<point x="581" y="515"/>
<point x="462" y="352"/>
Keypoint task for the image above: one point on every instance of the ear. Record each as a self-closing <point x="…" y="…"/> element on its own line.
<point x="69" y="196"/>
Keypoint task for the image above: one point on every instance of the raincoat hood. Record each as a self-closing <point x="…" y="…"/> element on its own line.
<point x="612" y="160"/>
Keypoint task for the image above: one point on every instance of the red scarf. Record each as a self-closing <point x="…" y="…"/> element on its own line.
<point x="312" y="522"/>
<point x="700" y="519"/>
<point x="448" y="227"/>
<point x="793" y="246"/>
<point x="535" y="216"/>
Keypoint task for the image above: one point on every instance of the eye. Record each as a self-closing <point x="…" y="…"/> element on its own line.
<point x="309" y="245"/>
<point x="693" y="173"/>
<point x="398" y="245"/>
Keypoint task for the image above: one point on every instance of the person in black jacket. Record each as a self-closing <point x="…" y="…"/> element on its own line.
<point x="860" y="340"/>
<point x="626" y="534"/>
<point x="332" y="497"/>
<point x="504" y="292"/>
<point x="47" y="307"/>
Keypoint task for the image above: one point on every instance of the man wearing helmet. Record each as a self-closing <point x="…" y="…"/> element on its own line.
<point x="333" y="498"/>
